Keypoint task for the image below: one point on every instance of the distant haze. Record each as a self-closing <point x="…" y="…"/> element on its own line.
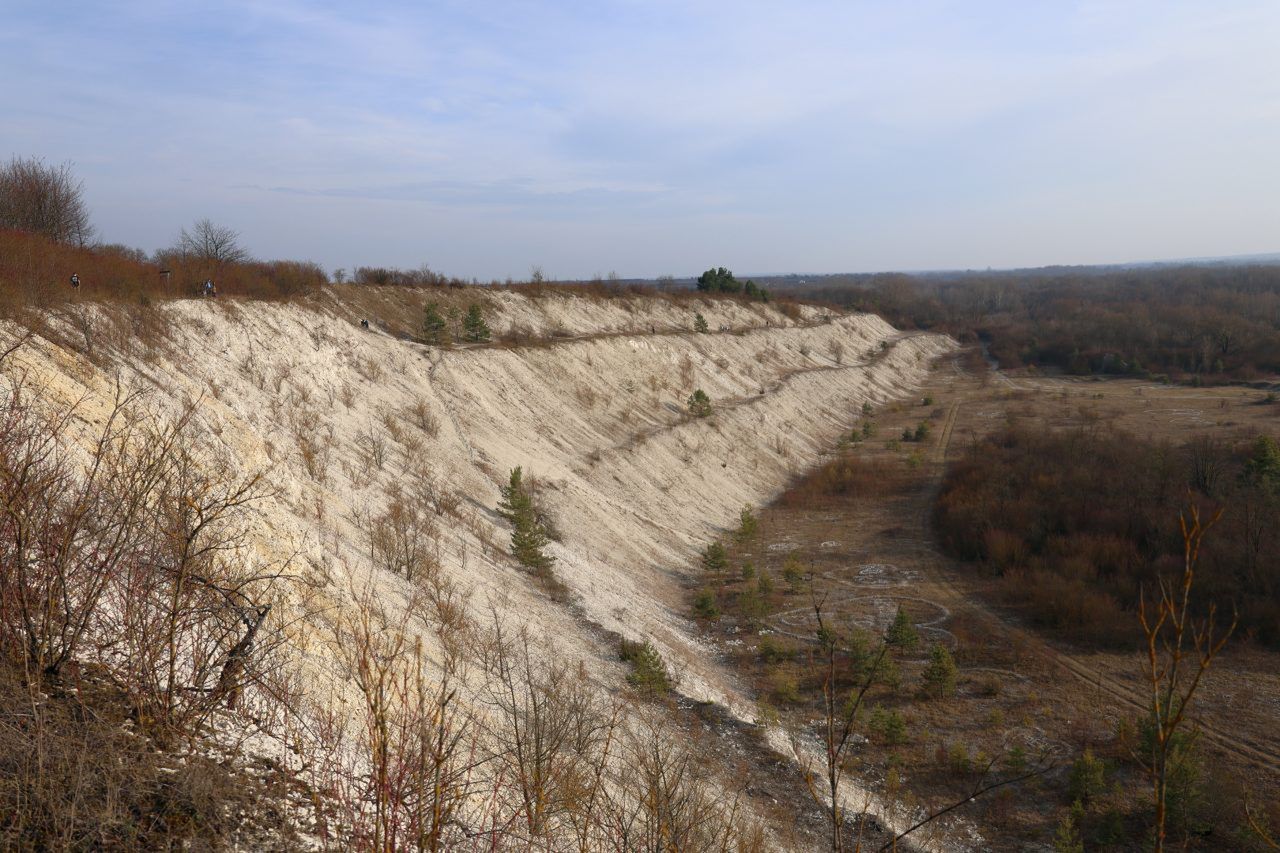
<point x="662" y="137"/>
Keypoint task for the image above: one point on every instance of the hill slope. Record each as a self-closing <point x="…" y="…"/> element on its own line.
<point x="347" y="423"/>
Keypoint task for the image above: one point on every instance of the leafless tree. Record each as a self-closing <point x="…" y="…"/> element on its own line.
<point x="211" y="243"/>
<point x="403" y="539"/>
<point x="548" y="721"/>
<point x="194" y="606"/>
<point x="840" y="706"/>
<point x="665" y="800"/>
<point x="1179" y="653"/>
<point x="416" y="763"/>
<point x="45" y="199"/>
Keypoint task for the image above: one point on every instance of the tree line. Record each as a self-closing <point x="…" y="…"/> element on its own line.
<point x="1185" y="323"/>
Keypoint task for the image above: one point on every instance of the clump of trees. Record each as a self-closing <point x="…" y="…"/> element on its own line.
<point x="44" y="199"/>
<point x="1190" y="323"/>
<point x="721" y="280"/>
<point x="1074" y="522"/>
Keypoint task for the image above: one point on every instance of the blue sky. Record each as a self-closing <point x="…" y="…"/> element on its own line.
<point x="485" y="138"/>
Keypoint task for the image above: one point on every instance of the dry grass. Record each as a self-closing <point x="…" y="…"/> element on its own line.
<point x="858" y="527"/>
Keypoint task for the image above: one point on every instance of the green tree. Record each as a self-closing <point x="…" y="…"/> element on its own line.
<point x="515" y="502"/>
<point x="1263" y="468"/>
<point x="705" y="605"/>
<point x="435" y="329"/>
<point x="1067" y="839"/>
<point x="889" y="727"/>
<point x="1088" y="778"/>
<point x="528" y="536"/>
<point x="699" y="404"/>
<point x="793" y="573"/>
<point x="939" y="674"/>
<point x="474" y="328"/>
<point x="748" y="524"/>
<point x="649" y="673"/>
<point x="718" y="280"/>
<point x="755" y="291"/>
<point x="700" y="323"/>
<point x="714" y="559"/>
<point x="902" y="633"/>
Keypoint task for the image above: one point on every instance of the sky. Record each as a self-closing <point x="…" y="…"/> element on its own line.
<point x="651" y="137"/>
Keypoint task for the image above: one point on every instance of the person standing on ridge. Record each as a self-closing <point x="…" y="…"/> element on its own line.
<point x="75" y="280"/>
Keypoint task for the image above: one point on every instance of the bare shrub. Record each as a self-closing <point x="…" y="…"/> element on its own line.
<point x="315" y="442"/>
<point x="553" y="739"/>
<point x="66" y="530"/>
<point x="369" y="369"/>
<point x="424" y="418"/>
<point x="665" y="800"/>
<point x="347" y="395"/>
<point x="413" y="775"/>
<point x="195" y="608"/>
<point x="392" y="424"/>
<point x="686" y="371"/>
<point x="373" y="448"/>
<point x="402" y="539"/>
<point x="131" y="560"/>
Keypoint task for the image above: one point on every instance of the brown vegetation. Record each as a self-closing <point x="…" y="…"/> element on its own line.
<point x="1075" y="522"/>
<point x="125" y="594"/>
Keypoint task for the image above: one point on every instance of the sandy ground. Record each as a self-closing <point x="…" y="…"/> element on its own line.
<point x="597" y="415"/>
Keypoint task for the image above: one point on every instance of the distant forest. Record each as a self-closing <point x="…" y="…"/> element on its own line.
<point x="1197" y="324"/>
<point x="1073" y="523"/>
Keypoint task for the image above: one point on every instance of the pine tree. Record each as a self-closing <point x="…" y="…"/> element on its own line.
<point x="649" y="673"/>
<point x="700" y="323"/>
<point x="714" y="559"/>
<point x="902" y="633"/>
<point x="435" y="330"/>
<point x="699" y="404"/>
<point x="1067" y="838"/>
<point x="515" y="501"/>
<point x="473" y="325"/>
<point x="528" y="536"/>
<point x="940" y="673"/>
<point x="527" y="541"/>
<point x="747" y="524"/>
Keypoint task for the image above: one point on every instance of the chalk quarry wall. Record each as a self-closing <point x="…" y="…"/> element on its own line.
<point x="597" y="415"/>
